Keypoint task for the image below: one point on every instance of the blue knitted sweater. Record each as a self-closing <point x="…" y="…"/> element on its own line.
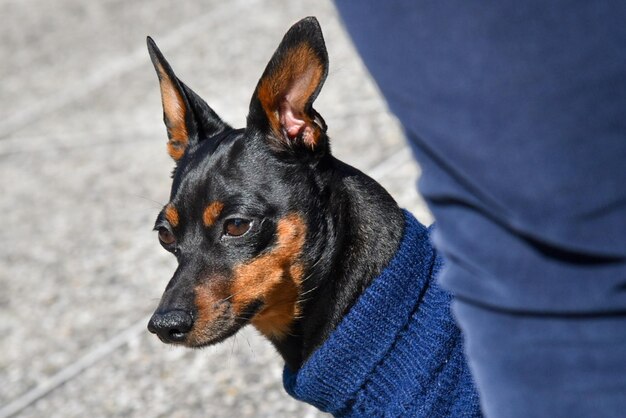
<point x="398" y="351"/>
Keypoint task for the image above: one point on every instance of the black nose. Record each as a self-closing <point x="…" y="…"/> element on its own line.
<point x="172" y="326"/>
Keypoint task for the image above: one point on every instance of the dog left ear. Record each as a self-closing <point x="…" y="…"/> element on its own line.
<point x="187" y="117"/>
<point x="281" y="106"/>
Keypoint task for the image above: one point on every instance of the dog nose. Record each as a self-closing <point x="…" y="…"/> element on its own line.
<point x="171" y="326"/>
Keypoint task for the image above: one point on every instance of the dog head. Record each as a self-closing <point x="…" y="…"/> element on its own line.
<point x="243" y="200"/>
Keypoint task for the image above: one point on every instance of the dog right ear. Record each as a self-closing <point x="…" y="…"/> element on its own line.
<point x="282" y="104"/>
<point x="187" y="117"/>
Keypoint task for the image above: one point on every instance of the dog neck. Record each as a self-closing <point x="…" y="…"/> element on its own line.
<point x="360" y="232"/>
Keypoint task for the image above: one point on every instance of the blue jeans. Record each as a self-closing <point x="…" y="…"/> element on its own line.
<point x="516" y="112"/>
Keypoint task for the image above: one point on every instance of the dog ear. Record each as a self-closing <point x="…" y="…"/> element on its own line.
<point x="281" y="106"/>
<point x="187" y="117"/>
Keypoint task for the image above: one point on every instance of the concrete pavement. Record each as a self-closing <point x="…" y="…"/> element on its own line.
<point x="83" y="173"/>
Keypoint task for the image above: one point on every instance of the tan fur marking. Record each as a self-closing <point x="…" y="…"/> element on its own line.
<point x="171" y="214"/>
<point x="210" y="299"/>
<point x="275" y="279"/>
<point x="294" y="80"/>
<point x="205" y="301"/>
<point x="212" y="212"/>
<point x="175" y="111"/>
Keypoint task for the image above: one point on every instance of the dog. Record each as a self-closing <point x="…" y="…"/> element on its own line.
<point x="269" y="228"/>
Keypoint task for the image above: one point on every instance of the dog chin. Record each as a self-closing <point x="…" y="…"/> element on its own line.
<point x="207" y="338"/>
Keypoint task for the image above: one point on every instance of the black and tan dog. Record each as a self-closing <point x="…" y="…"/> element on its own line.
<point x="267" y="226"/>
<point x="270" y="229"/>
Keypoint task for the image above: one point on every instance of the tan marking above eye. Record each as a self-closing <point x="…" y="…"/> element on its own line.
<point x="212" y="213"/>
<point x="171" y="214"/>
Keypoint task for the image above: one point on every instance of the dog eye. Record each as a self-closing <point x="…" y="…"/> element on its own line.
<point x="236" y="227"/>
<point x="166" y="237"/>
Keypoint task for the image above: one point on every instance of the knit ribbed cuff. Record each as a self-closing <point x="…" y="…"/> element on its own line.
<point x="333" y="375"/>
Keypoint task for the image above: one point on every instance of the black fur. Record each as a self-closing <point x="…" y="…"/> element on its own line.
<point x="354" y="226"/>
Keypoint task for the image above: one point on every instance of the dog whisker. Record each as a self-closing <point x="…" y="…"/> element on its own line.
<point x="311" y="269"/>
<point x="227" y="297"/>
<point x="157" y="204"/>
<point x="249" y="345"/>
<point x="309" y="291"/>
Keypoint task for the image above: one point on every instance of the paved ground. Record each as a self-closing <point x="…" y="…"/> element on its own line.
<point x="83" y="173"/>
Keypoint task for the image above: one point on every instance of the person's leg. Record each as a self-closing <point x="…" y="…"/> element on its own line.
<point x="546" y="366"/>
<point x="516" y="113"/>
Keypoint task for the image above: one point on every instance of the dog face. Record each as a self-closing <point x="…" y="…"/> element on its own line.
<point x="243" y="200"/>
